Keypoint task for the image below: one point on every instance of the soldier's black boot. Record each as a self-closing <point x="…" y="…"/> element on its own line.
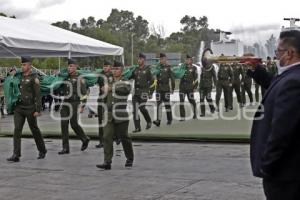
<point x="13" y="158"/>
<point x="100" y="145"/>
<point x="212" y="109"/>
<point x="105" y="166"/>
<point x="85" y="144"/>
<point x="137" y="130"/>
<point x="169" y="122"/>
<point x="148" y="126"/>
<point x="129" y="163"/>
<point x="202" y="108"/>
<point x="157" y="123"/>
<point x="42" y="155"/>
<point x="64" y="151"/>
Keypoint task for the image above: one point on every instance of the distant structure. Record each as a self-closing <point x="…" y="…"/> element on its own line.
<point x="227" y="46"/>
<point x="293" y="25"/>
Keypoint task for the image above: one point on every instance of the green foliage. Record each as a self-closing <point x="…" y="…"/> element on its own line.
<point x="122" y="28"/>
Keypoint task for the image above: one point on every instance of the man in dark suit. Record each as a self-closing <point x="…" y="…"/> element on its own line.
<point x="275" y="136"/>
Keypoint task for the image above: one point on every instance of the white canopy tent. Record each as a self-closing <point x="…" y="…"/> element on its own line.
<point x="20" y="37"/>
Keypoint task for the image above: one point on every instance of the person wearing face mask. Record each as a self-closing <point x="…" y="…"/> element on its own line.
<point x="275" y="139"/>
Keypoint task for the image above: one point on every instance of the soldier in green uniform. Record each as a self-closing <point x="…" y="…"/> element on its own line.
<point x="224" y="83"/>
<point x="28" y="107"/>
<point x="246" y="85"/>
<point x="105" y="76"/>
<point x="69" y="110"/>
<point x="271" y="66"/>
<point x="208" y="78"/>
<point x="237" y="71"/>
<point x="143" y="89"/>
<point x="188" y="83"/>
<point x="117" y="91"/>
<point x="163" y="90"/>
<point x="1" y="96"/>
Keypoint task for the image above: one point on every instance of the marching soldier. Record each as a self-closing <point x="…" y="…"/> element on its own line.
<point x="28" y="107"/>
<point x="106" y="75"/>
<point x="237" y="72"/>
<point x="69" y="110"/>
<point x="224" y="83"/>
<point x="188" y="83"/>
<point x="1" y="96"/>
<point x="117" y="91"/>
<point x="143" y="89"/>
<point x="271" y="67"/>
<point x="163" y="90"/>
<point x="208" y="78"/>
<point x="246" y="85"/>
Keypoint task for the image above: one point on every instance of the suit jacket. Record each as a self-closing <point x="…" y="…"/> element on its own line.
<point x="275" y="135"/>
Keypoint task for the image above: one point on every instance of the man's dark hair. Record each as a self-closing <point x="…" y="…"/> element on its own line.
<point x="292" y="39"/>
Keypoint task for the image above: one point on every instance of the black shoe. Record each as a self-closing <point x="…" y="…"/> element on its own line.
<point x="137" y="130"/>
<point x="182" y="120"/>
<point x="202" y="115"/>
<point x="157" y="123"/>
<point x="90" y="116"/>
<point x="194" y="117"/>
<point x="226" y="109"/>
<point x="42" y="155"/>
<point x="13" y="158"/>
<point x="105" y="166"/>
<point x="148" y="125"/>
<point x="118" y="141"/>
<point x="129" y="163"/>
<point x="64" y="151"/>
<point x="85" y="144"/>
<point x="169" y="122"/>
<point x="100" y="145"/>
<point x="212" y="111"/>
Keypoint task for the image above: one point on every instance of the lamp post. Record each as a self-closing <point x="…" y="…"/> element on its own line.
<point x="132" y="48"/>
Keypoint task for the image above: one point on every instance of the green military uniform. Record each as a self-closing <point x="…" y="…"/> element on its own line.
<point x="208" y="77"/>
<point x="117" y="119"/>
<point x="143" y="88"/>
<point x="163" y="91"/>
<point x="246" y="86"/>
<point x="271" y="68"/>
<point x="69" y="110"/>
<point x="237" y="71"/>
<point x="28" y="103"/>
<point x="225" y="77"/>
<point x="1" y="96"/>
<point x="186" y="88"/>
<point x="101" y="82"/>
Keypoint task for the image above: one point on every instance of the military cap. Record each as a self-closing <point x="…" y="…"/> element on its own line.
<point x="71" y="61"/>
<point x="141" y="55"/>
<point x="106" y="62"/>
<point x="268" y="58"/>
<point x="188" y="56"/>
<point x="118" y="64"/>
<point x="162" y="55"/>
<point x="26" y="59"/>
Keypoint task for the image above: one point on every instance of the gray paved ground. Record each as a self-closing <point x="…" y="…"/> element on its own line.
<point x="161" y="171"/>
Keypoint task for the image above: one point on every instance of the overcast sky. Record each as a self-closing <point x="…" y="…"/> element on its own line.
<point x="250" y="20"/>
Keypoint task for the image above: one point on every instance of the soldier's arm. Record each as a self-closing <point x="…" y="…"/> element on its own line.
<point x="214" y="75"/>
<point x="171" y="75"/>
<point x="195" y="77"/>
<point x="151" y="82"/>
<point x="83" y="91"/>
<point x="230" y="74"/>
<point x="37" y="95"/>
